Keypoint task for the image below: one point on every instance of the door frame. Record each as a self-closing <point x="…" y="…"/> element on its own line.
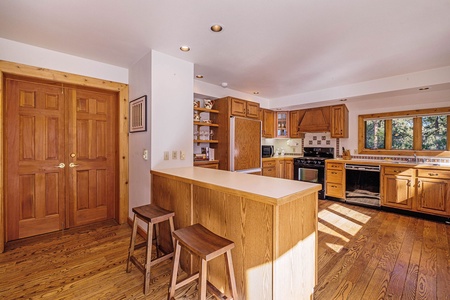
<point x="121" y="213"/>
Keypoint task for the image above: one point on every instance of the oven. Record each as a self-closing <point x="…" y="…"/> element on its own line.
<point x="311" y="167"/>
<point x="362" y="184"/>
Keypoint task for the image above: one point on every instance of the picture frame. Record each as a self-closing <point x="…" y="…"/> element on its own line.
<point x="138" y="114"/>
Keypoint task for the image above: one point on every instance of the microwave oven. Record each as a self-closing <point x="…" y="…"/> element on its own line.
<point x="267" y="151"/>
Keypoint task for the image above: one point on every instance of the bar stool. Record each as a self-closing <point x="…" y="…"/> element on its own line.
<point x="152" y="215"/>
<point x="201" y="242"/>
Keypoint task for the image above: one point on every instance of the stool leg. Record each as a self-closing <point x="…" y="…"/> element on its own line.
<point x="231" y="278"/>
<point x="148" y="257"/>
<point x="202" y="280"/>
<point x="158" y="250"/>
<point x="132" y="243"/>
<point x="176" y="263"/>
<point x="172" y="229"/>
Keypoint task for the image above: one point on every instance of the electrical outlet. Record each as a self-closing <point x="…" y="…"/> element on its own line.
<point x="166" y="155"/>
<point x="182" y="155"/>
<point x="174" y="154"/>
<point x="355" y="151"/>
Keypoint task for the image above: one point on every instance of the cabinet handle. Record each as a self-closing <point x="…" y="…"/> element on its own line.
<point x="433" y="174"/>
<point x="61" y="166"/>
<point x="419" y="183"/>
<point x="334" y="173"/>
<point x="397" y="171"/>
<point x="408" y="183"/>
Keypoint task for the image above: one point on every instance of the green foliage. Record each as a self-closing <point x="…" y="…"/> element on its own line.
<point x="402" y="133"/>
<point x="375" y="134"/>
<point x="434" y="133"/>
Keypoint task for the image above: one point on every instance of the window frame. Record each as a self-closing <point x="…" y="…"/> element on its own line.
<point x="417" y="132"/>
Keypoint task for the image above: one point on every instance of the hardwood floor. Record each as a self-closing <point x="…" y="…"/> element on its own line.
<point x="363" y="254"/>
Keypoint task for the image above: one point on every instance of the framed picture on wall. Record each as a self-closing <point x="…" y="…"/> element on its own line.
<point x="138" y="114"/>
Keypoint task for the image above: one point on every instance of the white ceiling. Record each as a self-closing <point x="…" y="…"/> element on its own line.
<point x="278" y="48"/>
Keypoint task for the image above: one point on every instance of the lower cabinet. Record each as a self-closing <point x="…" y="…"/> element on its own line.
<point x="433" y="192"/>
<point x="420" y="190"/>
<point x="398" y="187"/>
<point x="269" y="168"/>
<point x="335" y="180"/>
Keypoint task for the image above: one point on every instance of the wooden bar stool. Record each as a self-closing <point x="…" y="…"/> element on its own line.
<point x="206" y="245"/>
<point x="152" y="215"/>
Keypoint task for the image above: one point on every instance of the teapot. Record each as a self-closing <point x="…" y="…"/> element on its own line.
<point x="208" y="103"/>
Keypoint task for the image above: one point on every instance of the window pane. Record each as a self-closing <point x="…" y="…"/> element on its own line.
<point x="434" y="133"/>
<point x="375" y="134"/>
<point x="402" y="133"/>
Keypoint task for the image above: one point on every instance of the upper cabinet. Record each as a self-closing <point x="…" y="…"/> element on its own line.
<point x="339" y="121"/>
<point x="295" y="117"/>
<point x="282" y="124"/>
<point x="315" y="120"/>
<point x="267" y="120"/>
<point x="244" y="108"/>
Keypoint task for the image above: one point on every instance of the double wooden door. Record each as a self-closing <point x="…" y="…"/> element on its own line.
<point x="60" y="156"/>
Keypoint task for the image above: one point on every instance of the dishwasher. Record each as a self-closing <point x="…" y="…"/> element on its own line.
<point x="362" y="184"/>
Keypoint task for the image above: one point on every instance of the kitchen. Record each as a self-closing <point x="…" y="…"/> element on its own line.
<point x="159" y="69"/>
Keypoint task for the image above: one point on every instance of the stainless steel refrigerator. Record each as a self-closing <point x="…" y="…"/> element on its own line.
<point x="245" y="145"/>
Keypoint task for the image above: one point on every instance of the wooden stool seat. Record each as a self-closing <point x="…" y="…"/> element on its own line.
<point x="152" y="215"/>
<point x="203" y="243"/>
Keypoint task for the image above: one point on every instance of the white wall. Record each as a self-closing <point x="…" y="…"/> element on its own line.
<point x="172" y="110"/>
<point x="139" y="177"/>
<point x="426" y="99"/>
<point x="44" y="58"/>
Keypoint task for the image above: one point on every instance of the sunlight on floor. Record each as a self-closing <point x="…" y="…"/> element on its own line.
<point x="341" y="222"/>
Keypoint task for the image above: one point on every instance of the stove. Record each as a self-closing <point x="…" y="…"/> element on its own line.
<point x="311" y="167"/>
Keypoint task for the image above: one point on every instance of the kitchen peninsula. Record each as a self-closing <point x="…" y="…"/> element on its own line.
<point x="272" y="221"/>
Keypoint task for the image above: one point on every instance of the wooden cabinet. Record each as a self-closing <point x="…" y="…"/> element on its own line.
<point x="398" y="188"/>
<point x="267" y="120"/>
<point x="282" y="124"/>
<point x="339" y="121"/>
<point x="289" y="169"/>
<point x="433" y="191"/>
<point x="280" y="168"/>
<point x="243" y="108"/>
<point x="295" y="116"/>
<point x="269" y="168"/>
<point x="335" y="180"/>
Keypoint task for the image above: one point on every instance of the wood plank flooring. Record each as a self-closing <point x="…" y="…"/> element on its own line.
<point x="363" y="254"/>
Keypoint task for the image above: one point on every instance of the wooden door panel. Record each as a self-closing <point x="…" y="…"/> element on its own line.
<point x="35" y="147"/>
<point x="93" y="179"/>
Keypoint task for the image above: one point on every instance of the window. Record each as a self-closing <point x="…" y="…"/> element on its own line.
<point x="425" y="132"/>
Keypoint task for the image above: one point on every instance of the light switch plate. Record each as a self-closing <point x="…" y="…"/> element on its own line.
<point x="174" y="154"/>
<point x="166" y="155"/>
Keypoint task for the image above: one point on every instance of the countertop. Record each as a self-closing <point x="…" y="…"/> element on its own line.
<point x="282" y="157"/>
<point x="426" y="165"/>
<point x="272" y="190"/>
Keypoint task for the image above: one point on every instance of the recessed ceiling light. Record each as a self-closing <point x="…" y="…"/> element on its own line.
<point x="185" y="48"/>
<point x="216" y="28"/>
<point x="256" y="93"/>
<point x="424" y="89"/>
<point x="199" y="76"/>
<point x="343" y="100"/>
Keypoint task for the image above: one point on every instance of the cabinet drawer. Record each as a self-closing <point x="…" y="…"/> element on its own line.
<point x="271" y="172"/>
<point x="433" y="173"/>
<point x="335" y="166"/>
<point x="335" y="190"/>
<point x="398" y="171"/>
<point x="334" y="176"/>
<point x="268" y="164"/>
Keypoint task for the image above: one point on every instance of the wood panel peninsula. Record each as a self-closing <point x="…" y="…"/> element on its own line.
<point x="273" y="223"/>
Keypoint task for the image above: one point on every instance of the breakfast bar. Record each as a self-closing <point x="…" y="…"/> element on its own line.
<point x="272" y="221"/>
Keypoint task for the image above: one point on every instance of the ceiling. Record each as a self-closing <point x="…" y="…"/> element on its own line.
<point x="277" y="48"/>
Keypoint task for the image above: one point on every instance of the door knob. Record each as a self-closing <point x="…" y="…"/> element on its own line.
<point x="72" y="165"/>
<point x="61" y="166"/>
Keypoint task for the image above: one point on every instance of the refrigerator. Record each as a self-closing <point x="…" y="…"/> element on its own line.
<point x="245" y="145"/>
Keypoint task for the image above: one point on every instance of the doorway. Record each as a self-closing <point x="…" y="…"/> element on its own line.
<point x="61" y="156"/>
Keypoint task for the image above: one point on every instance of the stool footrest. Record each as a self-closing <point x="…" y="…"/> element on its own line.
<point x="187" y="280"/>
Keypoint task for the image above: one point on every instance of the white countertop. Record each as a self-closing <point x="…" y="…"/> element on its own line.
<point x="275" y="190"/>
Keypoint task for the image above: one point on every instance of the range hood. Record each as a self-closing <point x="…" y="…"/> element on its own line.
<point x="315" y="120"/>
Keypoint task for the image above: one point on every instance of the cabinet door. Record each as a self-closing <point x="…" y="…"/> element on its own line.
<point x="282" y="124"/>
<point x="238" y="107"/>
<point x="339" y="121"/>
<point x="252" y="110"/>
<point x="295" y="117"/>
<point x="289" y="169"/>
<point x="280" y="168"/>
<point x="316" y="120"/>
<point x="397" y="191"/>
<point x="433" y="196"/>
<point x="267" y="123"/>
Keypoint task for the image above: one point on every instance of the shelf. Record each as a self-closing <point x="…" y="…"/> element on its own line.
<point x="206" y="141"/>
<point x="206" y="110"/>
<point x="205" y="124"/>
